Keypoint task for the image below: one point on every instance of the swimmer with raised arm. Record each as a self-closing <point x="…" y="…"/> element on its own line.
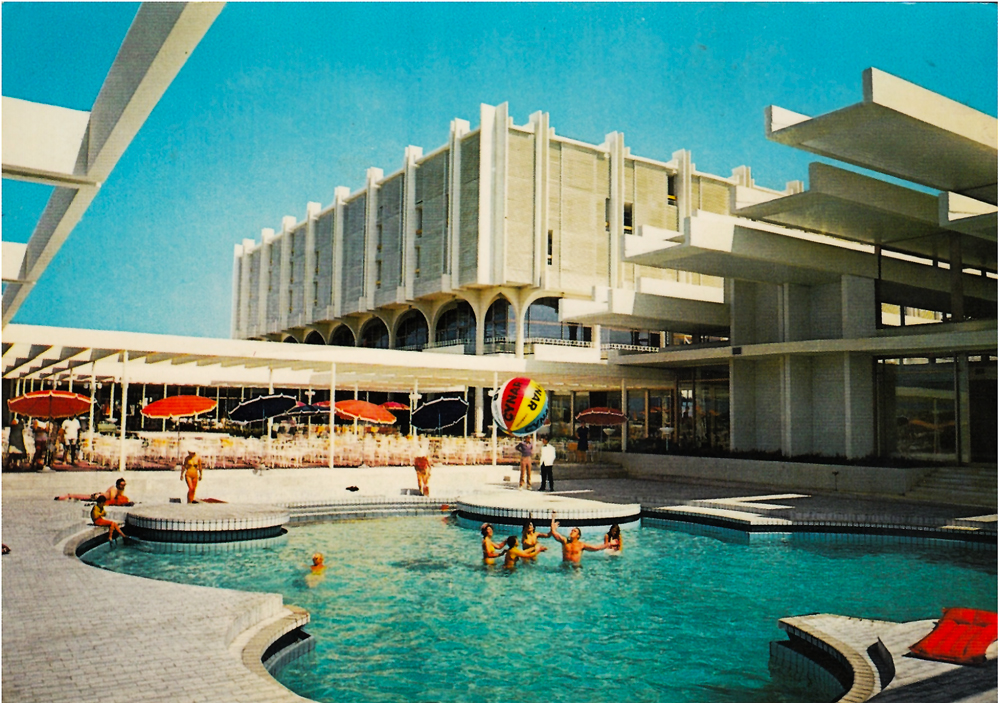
<point x="491" y="550"/>
<point x="572" y="547"/>
<point x="514" y="553"/>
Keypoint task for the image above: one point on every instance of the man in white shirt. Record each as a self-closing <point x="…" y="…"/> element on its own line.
<point x="71" y="438"/>
<point x="546" y="459"/>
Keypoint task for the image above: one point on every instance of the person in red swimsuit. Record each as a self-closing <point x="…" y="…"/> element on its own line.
<point x="97" y="515"/>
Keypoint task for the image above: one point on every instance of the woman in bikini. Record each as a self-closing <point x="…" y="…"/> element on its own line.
<point x="613" y="540"/>
<point x="491" y="549"/>
<point x="529" y="538"/>
<point x="191" y="474"/>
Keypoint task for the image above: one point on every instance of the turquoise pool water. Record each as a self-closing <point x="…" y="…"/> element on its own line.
<point x="406" y="611"/>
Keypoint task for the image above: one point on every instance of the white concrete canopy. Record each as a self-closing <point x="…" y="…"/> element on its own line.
<point x="903" y="130"/>
<point x="76" y="151"/>
<point x="53" y="354"/>
<point x="864" y="209"/>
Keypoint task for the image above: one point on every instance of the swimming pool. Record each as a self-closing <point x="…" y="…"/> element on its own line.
<point x="406" y="611"/>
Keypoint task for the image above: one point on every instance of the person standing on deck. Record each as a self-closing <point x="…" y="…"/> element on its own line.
<point x="192" y="473"/>
<point x="71" y="439"/>
<point x="525" y="449"/>
<point x="546" y="461"/>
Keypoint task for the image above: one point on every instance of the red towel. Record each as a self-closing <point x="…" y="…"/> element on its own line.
<point x="961" y="636"/>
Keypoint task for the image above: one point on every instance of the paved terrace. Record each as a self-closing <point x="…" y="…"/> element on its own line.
<point x="185" y="643"/>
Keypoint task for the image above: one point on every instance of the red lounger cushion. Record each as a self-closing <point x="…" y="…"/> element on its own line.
<point x="960" y="637"/>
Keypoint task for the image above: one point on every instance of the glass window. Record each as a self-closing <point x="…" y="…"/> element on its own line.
<point x="917" y="409"/>
<point x="375" y="335"/>
<point x="342" y="337"/>
<point x="411" y="334"/>
<point x="456" y="323"/>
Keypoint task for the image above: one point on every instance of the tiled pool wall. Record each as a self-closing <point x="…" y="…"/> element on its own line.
<point x="858" y="529"/>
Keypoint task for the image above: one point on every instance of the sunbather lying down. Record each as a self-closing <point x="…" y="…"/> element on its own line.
<point x="115" y="495"/>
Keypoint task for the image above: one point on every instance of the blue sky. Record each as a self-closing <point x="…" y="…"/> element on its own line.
<point x="282" y="102"/>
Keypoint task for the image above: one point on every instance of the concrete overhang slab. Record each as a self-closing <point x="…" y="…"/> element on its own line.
<point x="902" y="130"/>
<point x="927" y="340"/>
<point x="729" y="247"/>
<point x="636" y="310"/>
<point x="867" y="210"/>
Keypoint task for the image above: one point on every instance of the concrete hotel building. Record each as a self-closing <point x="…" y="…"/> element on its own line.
<point x="852" y="319"/>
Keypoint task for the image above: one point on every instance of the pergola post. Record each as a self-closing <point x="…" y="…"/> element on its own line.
<point x="333" y="399"/>
<point x="121" y="440"/>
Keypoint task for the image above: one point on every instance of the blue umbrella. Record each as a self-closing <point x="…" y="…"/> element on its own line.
<point x="304" y="410"/>
<point x="262" y="408"/>
<point x="438" y="414"/>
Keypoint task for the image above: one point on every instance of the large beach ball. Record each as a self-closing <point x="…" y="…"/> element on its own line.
<point x="520" y="406"/>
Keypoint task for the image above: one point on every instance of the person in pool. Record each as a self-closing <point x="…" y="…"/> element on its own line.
<point x="514" y="553"/>
<point x="317" y="571"/>
<point x="529" y="538"/>
<point x="572" y="547"/>
<point x="97" y="516"/>
<point x="491" y="550"/>
<point x="613" y="540"/>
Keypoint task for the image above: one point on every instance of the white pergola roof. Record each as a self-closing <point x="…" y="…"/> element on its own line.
<point x="56" y="354"/>
<point x="75" y="151"/>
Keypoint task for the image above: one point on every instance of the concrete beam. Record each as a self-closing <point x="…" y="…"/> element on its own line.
<point x="45" y="144"/>
<point x="160" y="40"/>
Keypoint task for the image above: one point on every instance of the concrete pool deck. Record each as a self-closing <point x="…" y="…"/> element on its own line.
<point x="75" y="633"/>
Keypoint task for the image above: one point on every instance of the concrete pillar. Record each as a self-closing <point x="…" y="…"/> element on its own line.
<point x="963" y="410"/>
<point x="309" y="280"/>
<point x="458" y="130"/>
<point x="340" y="195"/>
<point x="540" y="121"/>
<point x="957" y="286"/>
<point x="263" y="272"/>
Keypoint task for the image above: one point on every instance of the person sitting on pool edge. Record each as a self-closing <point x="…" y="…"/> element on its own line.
<point x="97" y="516"/>
<point x="572" y="548"/>
<point x="514" y="553"/>
<point x="491" y="550"/>
<point x="115" y="495"/>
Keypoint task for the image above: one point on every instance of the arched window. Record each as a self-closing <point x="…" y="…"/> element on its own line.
<point x="499" y="325"/>
<point x="542" y="322"/>
<point x="342" y="337"/>
<point x="457" y="324"/>
<point x="411" y="334"/>
<point x="315" y="338"/>
<point x="290" y="340"/>
<point x="375" y="335"/>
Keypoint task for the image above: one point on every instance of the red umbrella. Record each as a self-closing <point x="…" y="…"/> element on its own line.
<point x="393" y="405"/>
<point x="179" y="406"/>
<point x="49" y="404"/>
<point x="363" y="410"/>
<point x="601" y="416"/>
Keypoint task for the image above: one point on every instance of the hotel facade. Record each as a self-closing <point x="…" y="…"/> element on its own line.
<point x="854" y="319"/>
